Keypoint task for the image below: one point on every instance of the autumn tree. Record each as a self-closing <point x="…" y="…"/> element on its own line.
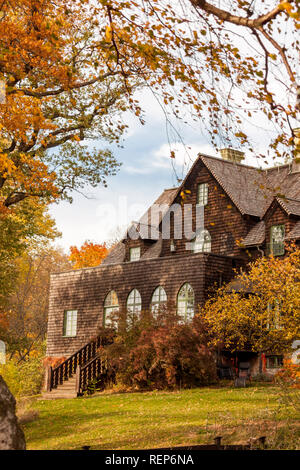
<point x="29" y="225"/>
<point x="264" y="313"/>
<point x="71" y="67"/>
<point x="88" y="255"/>
<point x="226" y="64"/>
<point x="59" y="89"/>
<point x="25" y="312"/>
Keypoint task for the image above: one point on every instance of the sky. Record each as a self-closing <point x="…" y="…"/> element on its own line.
<point x="146" y="171"/>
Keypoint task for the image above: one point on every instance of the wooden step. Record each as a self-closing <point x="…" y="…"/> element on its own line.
<point x="66" y="390"/>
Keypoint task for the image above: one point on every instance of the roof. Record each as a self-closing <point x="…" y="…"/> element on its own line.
<point x="256" y="236"/>
<point x="143" y="231"/>
<point x="148" y="225"/>
<point x="153" y="216"/>
<point x="253" y="189"/>
<point x="294" y="233"/>
<point x="291" y="206"/>
<point x="116" y="255"/>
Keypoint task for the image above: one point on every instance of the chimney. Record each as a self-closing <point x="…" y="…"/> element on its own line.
<point x="296" y="159"/>
<point x="232" y="155"/>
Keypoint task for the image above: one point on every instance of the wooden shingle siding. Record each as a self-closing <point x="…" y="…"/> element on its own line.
<point x="222" y="219"/>
<point x="85" y="290"/>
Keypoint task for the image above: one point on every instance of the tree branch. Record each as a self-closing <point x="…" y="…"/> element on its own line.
<point x="238" y="20"/>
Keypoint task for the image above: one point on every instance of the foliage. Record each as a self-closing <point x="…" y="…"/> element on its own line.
<point x="70" y="68"/>
<point x="26" y="308"/>
<point x="25" y="378"/>
<point x="158" y="352"/>
<point x="59" y="90"/>
<point x="264" y="314"/>
<point x="24" y="227"/>
<point x="88" y="255"/>
<point x="289" y="374"/>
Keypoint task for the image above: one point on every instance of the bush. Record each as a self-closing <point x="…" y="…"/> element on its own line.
<point x="159" y="352"/>
<point x="24" y="378"/>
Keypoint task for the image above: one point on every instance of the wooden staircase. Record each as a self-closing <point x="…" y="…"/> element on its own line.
<point x="73" y="377"/>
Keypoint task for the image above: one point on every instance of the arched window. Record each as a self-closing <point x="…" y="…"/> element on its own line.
<point x="185" y="302"/>
<point x="111" y="306"/>
<point x="134" y="303"/>
<point x="202" y="242"/>
<point x="158" y="300"/>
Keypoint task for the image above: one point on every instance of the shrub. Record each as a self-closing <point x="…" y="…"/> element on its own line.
<point x="24" y="378"/>
<point x="159" y="352"/>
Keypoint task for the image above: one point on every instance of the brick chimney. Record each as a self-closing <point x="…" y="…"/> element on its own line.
<point x="232" y="155"/>
<point x="296" y="159"/>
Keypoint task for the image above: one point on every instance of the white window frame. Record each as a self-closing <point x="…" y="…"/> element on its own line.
<point x="202" y="194"/>
<point x="158" y="300"/>
<point x="70" y="323"/>
<point x="186" y="302"/>
<point x="132" y="255"/>
<point x="277" y="246"/>
<point x="202" y="242"/>
<point x="111" y="306"/>
<point x="134" y="302"/>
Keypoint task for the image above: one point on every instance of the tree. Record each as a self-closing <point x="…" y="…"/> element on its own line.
<point x="226" y="64"/>
<point x="26" y="309"/>
<point x="26" y="227"/>
<point x="88" y="255"/>
<point x="265" y="315"/>
<point x="59" y="90"/>
<point x="70" y="68"/>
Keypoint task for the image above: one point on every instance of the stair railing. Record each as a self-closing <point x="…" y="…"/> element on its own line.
<point x="90" y="371"/>
<point x="58" y="375"/>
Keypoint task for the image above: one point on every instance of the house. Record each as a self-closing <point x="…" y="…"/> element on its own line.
<point x="194" y="237"/>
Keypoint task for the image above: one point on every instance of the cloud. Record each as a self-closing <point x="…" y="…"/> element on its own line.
<point x="185" y="155"/>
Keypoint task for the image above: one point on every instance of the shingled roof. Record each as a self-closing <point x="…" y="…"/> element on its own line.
<point x="148" y="225"/>
<point x="291" y="206"/>
<point x="256" y="236"/>
<point x="294" y="233"/>
<point x="116" y="255"/>
<point x="252" y="189"/>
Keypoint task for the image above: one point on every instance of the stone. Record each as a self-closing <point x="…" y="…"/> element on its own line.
<point x="11" y="435"/>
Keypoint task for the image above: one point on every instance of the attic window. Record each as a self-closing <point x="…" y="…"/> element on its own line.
<point x="277" y="240"/>
<point x="202" y="196"/>
<point x="134" y="254"/>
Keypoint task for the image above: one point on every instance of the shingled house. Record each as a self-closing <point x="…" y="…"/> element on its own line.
<point x="246" y="212"/>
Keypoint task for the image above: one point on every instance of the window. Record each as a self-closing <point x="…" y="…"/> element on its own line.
<point x="111" y="306"/>
<point x="202" y="242"/>
<point x="159" y="300"/>
<point x="134" y="303"/>
<point x="134" y="253"/>
<point x="70" y="323"/>
<point x="277" y="240"/>
<point x="185" y="302"/>
<point x="202" y="196"/>
<point x="274" y="362"/>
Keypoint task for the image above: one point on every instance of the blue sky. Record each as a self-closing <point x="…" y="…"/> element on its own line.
<point x="145" y="172"/>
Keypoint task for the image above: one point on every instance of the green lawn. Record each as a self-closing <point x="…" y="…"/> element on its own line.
<point x="161" y="419"/>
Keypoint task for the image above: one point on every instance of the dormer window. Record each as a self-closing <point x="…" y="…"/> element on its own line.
<point x="202" y="242"/>
<point x="202" y="196"/>
<point x="134" y="254"/>
<point x="277" y="240"/>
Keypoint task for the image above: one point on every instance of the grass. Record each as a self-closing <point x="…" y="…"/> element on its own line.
<point x="163" y="419"/>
